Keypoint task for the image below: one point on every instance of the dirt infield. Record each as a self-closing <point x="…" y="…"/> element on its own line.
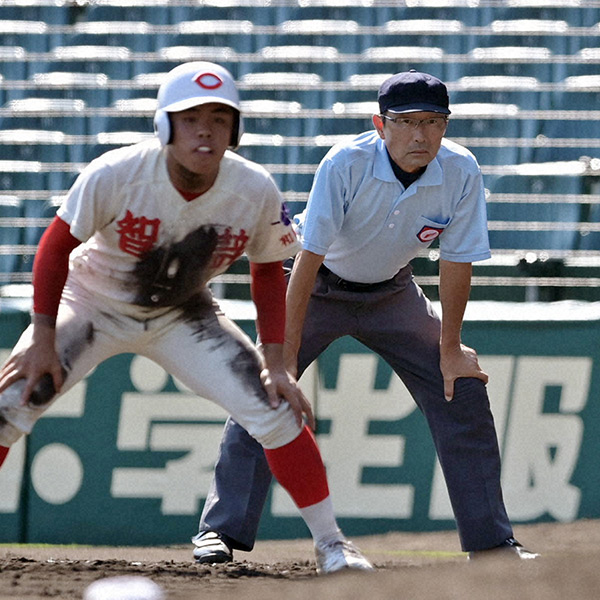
<point x="427" y="566"/>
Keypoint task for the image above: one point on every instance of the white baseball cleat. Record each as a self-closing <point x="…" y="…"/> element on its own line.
<point x="337" y="553"/>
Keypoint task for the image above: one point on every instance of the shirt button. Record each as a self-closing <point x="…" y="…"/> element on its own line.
<point x="391" y="226"/>
<point x="396" y="212"/>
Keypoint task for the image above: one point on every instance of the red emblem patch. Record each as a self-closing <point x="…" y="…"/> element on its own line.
<point x="208" y="81"/>
<point x="428" y="234"/>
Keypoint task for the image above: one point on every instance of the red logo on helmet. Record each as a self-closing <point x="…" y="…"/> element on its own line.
<point x="428" y="234"/>
<point x="208" y="81"/>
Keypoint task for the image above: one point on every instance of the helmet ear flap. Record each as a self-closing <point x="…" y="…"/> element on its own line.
<point x="162" y="126"/>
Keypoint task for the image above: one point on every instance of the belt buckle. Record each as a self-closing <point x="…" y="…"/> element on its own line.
<point x="341" y="283"/>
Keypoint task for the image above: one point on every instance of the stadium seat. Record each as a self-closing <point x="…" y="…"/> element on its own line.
<point x="44" y="120"/>
<point x="92" y="88"/>
<point x="11" y="236"/>
<point x="54" y="114"/>
<point x="134" y="35"/>
<point x="114" y="61"/>
<point x="111" y="140"/>
<point x="33" y="36"/>
<point x="152" y="12"/>
<point x="322" y="60"/>
<point x="502" y="89"/>
<point x="33" y="144"/>
<point x="528" y="235"/>
<point x="513" y="61"/>
<point x="393" y="59"/>
<point x="343" y="34"/>
<point x="238" y="35"/>
<point x="13" y="60"/>
<point x="52" y="13"/>
<point x="577" y="93"/>
<point x="169" y="57"/>
<point x="553" y="34"/>
<point x="350" y="118"/>
<point x="134" y="115"/>
<point x="272" y="117"/>
<point x="497" y="122"/>
<point x="447" y="34"/>
<point x="286" y="86"/>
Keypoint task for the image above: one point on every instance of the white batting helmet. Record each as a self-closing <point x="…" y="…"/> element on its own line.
<point x="193" y="84"/>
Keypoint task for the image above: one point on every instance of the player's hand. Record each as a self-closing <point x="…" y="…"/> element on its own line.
<point x="31" y="362"/>
<point x="280" y="385"/>
<point x="460" y="361"/>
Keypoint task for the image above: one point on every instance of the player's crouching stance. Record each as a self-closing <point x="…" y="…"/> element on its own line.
<point x="124" y="267"/>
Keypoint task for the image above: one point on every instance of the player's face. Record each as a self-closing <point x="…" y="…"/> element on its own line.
<point x="413" y="139"/>
<point x="200" y="137"/>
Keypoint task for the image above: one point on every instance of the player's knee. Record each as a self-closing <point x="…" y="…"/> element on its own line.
<point x="9" y="434"/>
<point x="276" y="429"/>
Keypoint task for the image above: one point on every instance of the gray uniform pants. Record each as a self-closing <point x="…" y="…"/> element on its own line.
<point x="397" y="322"/>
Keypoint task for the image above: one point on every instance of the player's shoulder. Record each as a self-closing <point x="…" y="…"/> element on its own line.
<point x="128" y="159"/>
<point x="244" y="172"/>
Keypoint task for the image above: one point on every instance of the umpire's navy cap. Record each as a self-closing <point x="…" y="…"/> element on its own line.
<point x="412" y="91"/>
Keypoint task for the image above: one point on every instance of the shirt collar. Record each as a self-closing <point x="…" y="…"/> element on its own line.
<point x="383" y="170"/>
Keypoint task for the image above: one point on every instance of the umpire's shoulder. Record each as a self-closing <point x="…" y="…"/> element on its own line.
<point x="451" y="152"/>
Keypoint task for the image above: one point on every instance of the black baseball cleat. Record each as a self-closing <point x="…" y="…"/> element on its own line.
<point x="210" y="547"/>
<point x="509" y="548"/>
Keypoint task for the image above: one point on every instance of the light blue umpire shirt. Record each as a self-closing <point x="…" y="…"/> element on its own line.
<point x="368" y="226"/>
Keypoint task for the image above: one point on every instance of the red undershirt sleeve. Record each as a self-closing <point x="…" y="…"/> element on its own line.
<point x="268" y="289"/>
<point x="51" y="267"/>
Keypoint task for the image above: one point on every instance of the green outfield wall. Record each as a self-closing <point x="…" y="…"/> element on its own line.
<point x="126" y="456"/>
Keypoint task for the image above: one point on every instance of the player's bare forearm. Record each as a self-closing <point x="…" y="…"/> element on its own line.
<point x="302" y="281"/>
<point x="456" y="359"/>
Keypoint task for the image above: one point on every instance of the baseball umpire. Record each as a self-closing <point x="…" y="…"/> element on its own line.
<point x="375" y="202"/>
<point x="124" y="267"/>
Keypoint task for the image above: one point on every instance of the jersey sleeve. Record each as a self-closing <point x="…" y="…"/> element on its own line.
<point x="465" y="239"/>
<point x="274" y="238"/>
<point x="89" y="203"/>
<point x="324" y="214"/>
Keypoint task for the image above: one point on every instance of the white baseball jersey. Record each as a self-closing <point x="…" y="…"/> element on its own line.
<point x="137" y="284"/>
<point x="147" y="246"/>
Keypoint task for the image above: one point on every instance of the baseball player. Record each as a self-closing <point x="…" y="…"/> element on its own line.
<point x="124" y="267"/>
<point x="375" y="202"/>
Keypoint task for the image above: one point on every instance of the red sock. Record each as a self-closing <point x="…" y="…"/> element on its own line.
<point x="3" y="454"/>
<point x="298" y="467"/>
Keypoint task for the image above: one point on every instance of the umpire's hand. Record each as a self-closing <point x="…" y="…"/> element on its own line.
<point x="460" y="361"/>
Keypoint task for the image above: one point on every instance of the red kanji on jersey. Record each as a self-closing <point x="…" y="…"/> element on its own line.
<point x="287" y="239"/>
<point x="138" y="234"/>
<point x="229" y="247"/>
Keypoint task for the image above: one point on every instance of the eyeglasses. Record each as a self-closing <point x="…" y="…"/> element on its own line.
<point x="406" y="123"/>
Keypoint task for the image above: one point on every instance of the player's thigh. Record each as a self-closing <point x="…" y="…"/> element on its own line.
<point x="79" y="349"/>
<point x="219" y="362"/>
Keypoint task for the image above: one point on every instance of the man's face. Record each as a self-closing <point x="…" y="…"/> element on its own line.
<point x="414" y="139"/>
<point x="200" y="137"/>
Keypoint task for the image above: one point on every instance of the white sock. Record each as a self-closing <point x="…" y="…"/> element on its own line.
<point x="320" y="519"/>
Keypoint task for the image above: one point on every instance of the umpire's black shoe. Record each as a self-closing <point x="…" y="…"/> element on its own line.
<point x="510" y="548"/>
<point x="210" y="547"/>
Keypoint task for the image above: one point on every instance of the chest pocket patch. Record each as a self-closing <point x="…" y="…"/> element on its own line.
<point x="427" y="231"/>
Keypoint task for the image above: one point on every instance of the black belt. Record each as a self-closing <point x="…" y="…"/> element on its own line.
<point x="351" y="286"/>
